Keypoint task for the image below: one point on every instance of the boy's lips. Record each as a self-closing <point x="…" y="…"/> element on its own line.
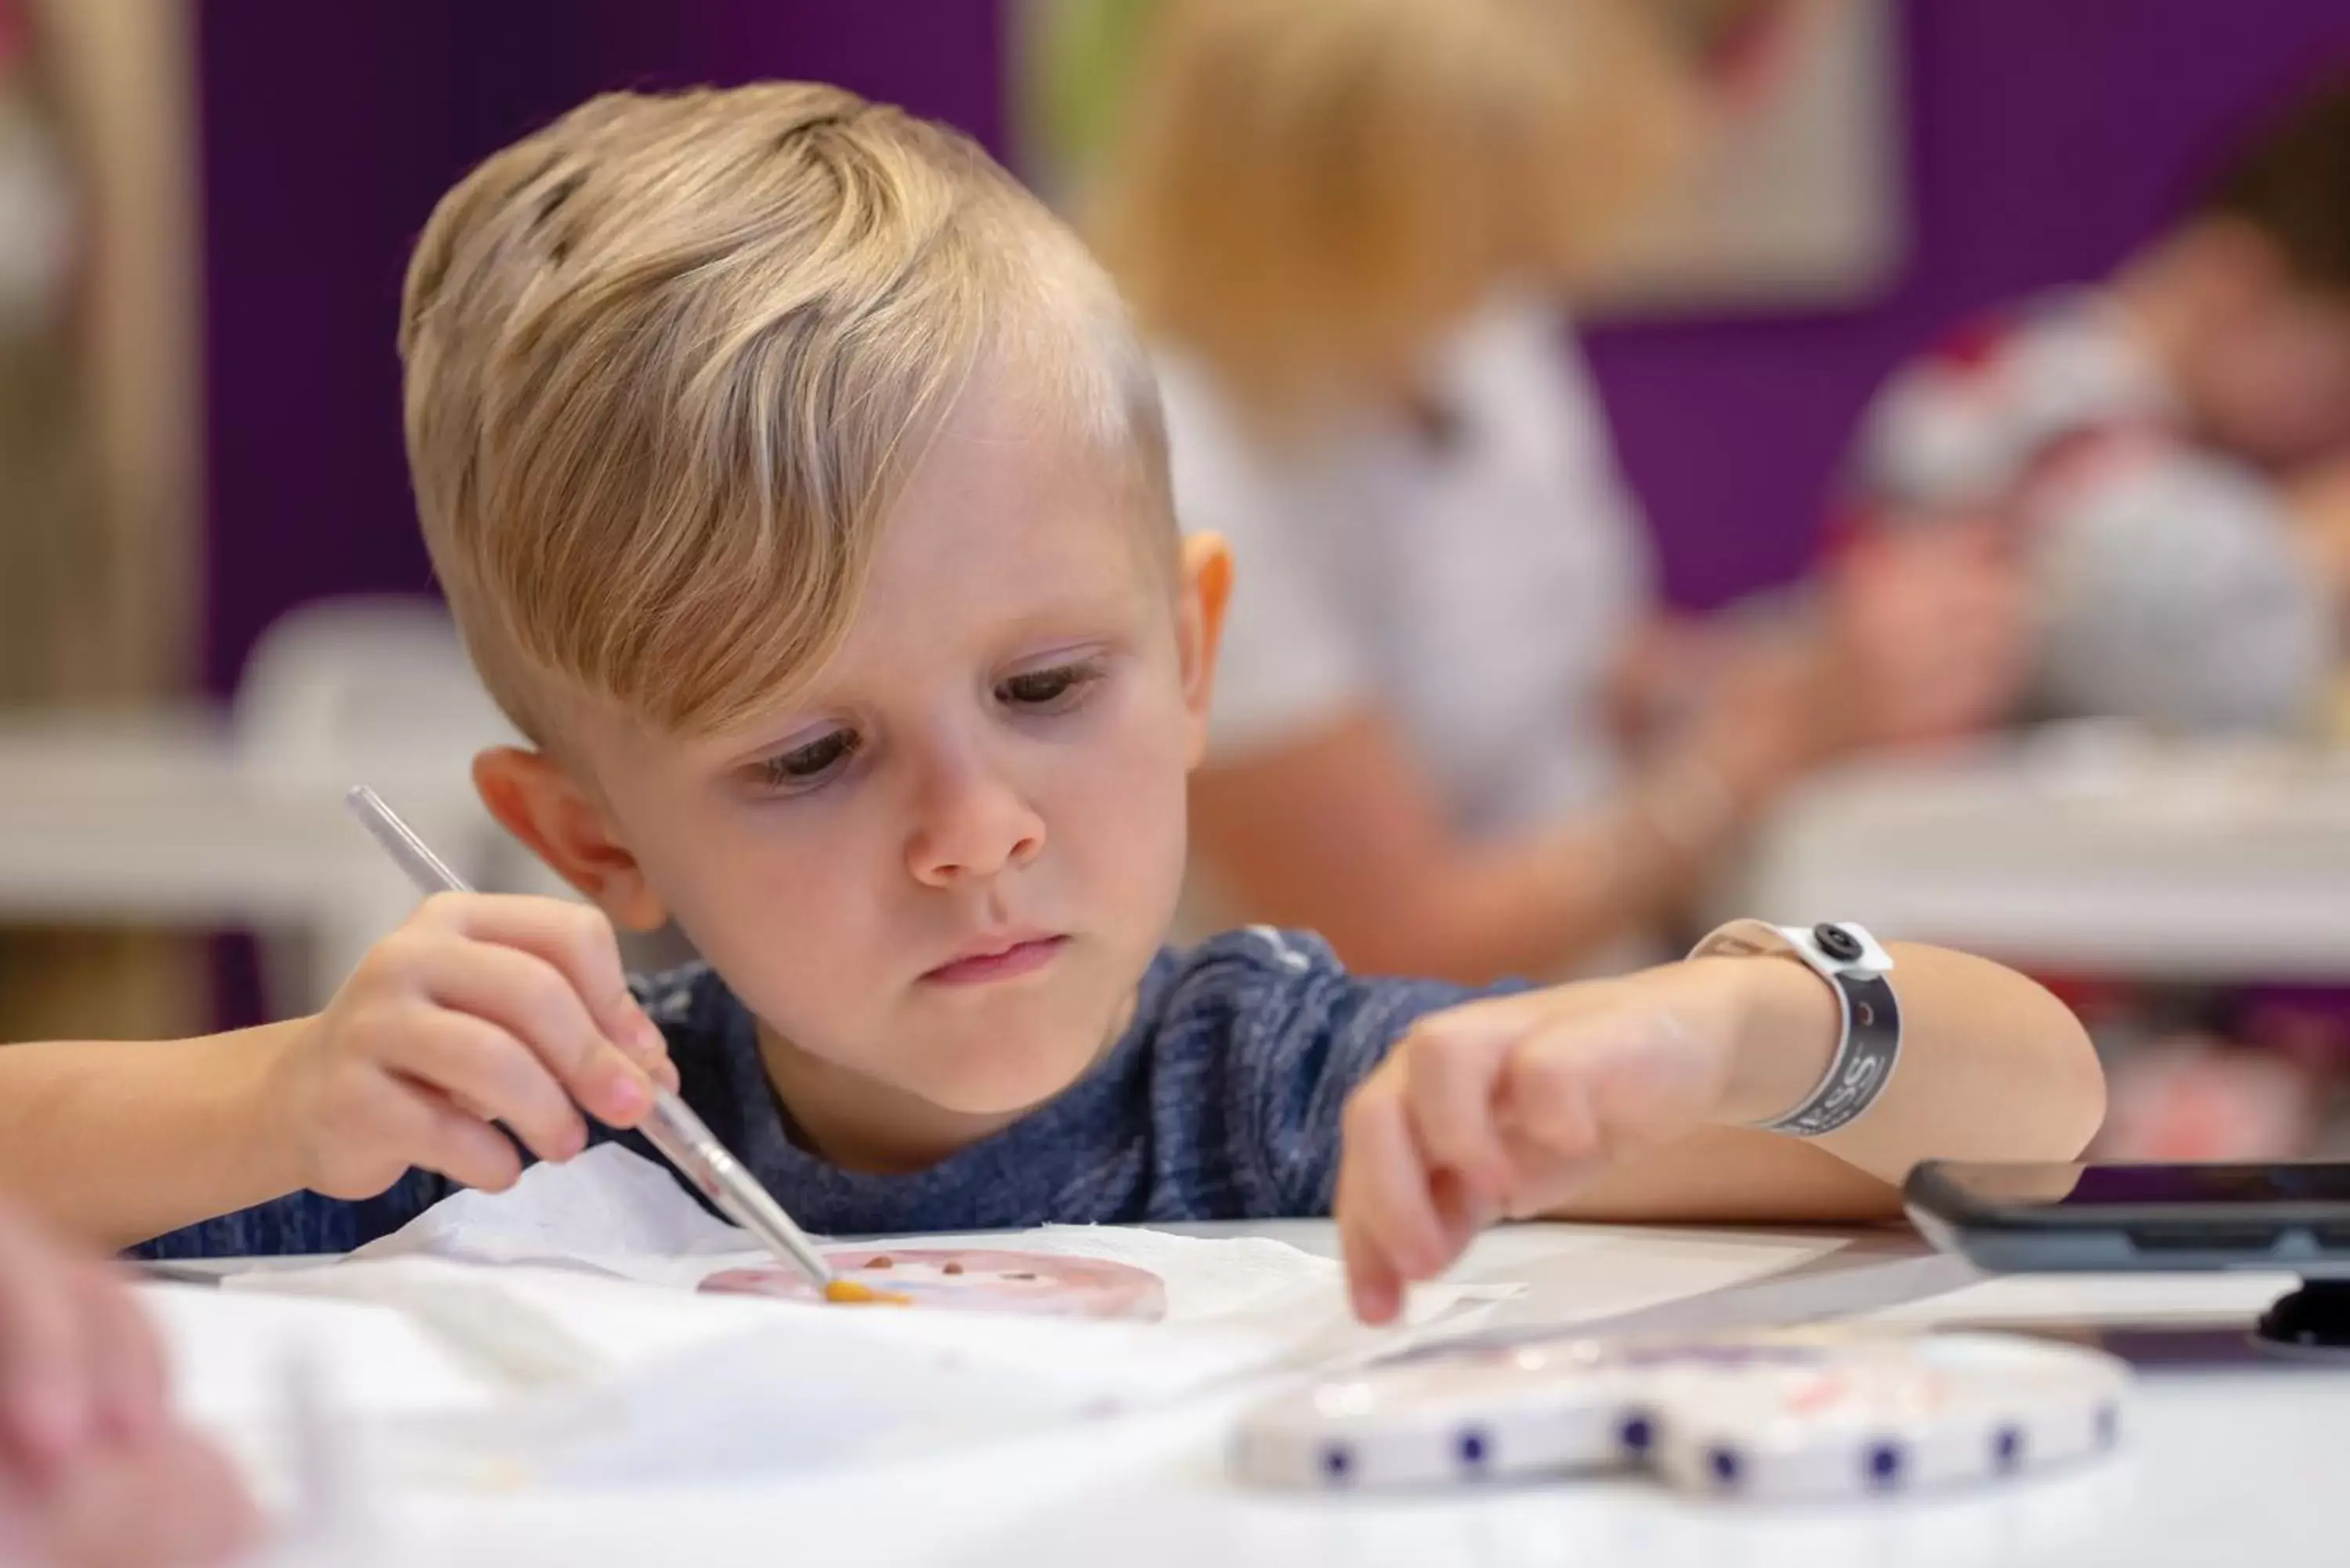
<point x="999" y="958"/>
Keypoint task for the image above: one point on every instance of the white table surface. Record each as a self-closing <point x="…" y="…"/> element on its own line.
<point x="2218" y="1467"/>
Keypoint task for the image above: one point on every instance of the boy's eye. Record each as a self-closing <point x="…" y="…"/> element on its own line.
<point x="803" y="766"/>
<point x="1052" y="688"/>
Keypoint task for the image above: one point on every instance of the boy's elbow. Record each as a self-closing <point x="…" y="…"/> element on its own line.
<point x="2073" y="1089"/>
<point x="2087" y="1098"/>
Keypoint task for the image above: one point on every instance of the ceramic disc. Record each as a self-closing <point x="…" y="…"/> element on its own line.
<point x="1040" y="1284"/>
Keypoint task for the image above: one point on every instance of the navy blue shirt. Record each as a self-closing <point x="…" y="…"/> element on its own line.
<point x="1221" y="1101"/>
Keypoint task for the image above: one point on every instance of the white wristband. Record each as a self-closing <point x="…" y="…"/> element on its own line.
<point x="1868" y="1043"/>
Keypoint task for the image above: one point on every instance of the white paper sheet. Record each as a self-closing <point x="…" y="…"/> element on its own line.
<point x="229" y="1352"/>
<point x="613" y="1213"/>
<point x="573" y="1293"/>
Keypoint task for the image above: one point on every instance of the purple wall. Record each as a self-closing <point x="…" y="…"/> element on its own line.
<point x="2045" y="135"/>
<point x="328" y="131"/>
<point x="2047" y="138"/>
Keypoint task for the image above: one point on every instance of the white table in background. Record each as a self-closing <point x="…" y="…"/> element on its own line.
<point x="161" y="819"/>
<point x="2218" y="1467"/>
<point x="2084" y="852"/>
<point x="232" y="816"/>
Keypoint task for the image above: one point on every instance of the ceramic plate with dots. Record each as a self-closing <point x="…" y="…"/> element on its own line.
<point x="1037" y="1284"/>
<point x="1793" y="1415"/>
<point x="1449" y="1417"/>
<point x="1888" y="1416"/>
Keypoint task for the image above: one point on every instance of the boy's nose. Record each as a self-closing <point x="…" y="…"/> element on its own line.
<point x="973" y="824"/>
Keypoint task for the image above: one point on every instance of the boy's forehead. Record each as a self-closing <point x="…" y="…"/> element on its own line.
<point x="1008" y="512"/>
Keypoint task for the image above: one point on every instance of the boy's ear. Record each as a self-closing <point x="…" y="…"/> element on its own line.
<point x="1207" y="573"/>
<point x="533" y="799"/>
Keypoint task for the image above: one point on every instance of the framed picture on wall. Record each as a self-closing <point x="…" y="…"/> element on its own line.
<point x="1794" y="197"/>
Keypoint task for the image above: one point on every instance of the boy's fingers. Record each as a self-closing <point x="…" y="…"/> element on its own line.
<point x="650" y="1052"/>
<point x="490" y="1073"/>
<point x="464" y="1148"/>
<point x="1451" y="1078"/>
<point x="1373" y="1283"/>
<point x="45" y="1405"/>
<point x="536" y="1002"/>
<point x="580" y="942"/>
<point x="1462" y="1211"/>
<point x="1390" y="1192"/>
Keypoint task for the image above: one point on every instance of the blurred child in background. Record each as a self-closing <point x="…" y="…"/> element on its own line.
<point x="2164" y="456"/>
<point x="2166" y="452"/>
<point x="1455" y="732"/>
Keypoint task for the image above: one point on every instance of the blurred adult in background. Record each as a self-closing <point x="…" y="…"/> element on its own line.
<point x="1455" y="729"/>
<point x="2167" y="453"/>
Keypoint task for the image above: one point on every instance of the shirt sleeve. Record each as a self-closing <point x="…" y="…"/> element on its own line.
<point x="1307" y="1033"/>
<point x="1286" y="666"/>
<point x="2171" y="591"/>
<point x="302" y="1223"/>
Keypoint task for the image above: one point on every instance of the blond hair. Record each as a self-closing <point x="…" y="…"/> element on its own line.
<point x="669" y="360"/>
<point x="1304" y="188"/>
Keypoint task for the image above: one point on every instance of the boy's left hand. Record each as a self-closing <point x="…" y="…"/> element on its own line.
<point x="1505" y="1107"/>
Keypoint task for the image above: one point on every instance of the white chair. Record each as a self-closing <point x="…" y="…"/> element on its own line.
<point x="380" y="690"/>
<point x="202" y="819"/>
<point x="373" y="683"/>
<point x="375" y="691"/>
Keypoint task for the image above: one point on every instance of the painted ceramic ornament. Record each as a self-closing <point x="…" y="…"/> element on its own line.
<point x="1035" y="1285"/>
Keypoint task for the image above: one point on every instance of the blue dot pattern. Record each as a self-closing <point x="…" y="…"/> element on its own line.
<point x="1884" y="1464"/>
<point x="1221" y="1102"/>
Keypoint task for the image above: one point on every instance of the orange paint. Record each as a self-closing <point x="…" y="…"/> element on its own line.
<point x="848" y="1292"/>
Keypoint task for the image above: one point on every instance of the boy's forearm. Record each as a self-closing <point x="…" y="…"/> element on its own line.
<point x="119" y="1141"/>
<point x="1991" y="1065"/>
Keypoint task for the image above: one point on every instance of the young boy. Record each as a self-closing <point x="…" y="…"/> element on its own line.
<point x="2166" y="455"/>
<point x="798" y="485"/>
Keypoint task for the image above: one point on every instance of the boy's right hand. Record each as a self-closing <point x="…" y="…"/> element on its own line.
<point x="480" y="1008"/>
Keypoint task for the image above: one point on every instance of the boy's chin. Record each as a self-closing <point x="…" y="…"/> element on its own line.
<point x="1008" y="1089"/>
